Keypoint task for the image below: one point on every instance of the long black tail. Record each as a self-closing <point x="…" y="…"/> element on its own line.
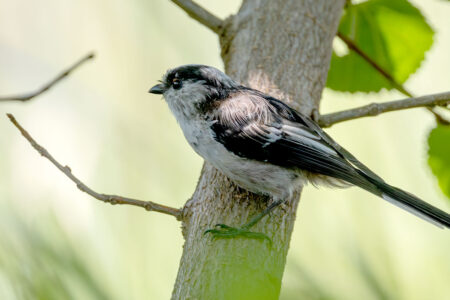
<point x="363" y="177"/>
<point x="407" y="201"/>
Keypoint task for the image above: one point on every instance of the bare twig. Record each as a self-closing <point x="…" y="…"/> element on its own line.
<point x="200" y="14"/>
<point x="375" y="109"/>
<point x="62" y="75"/>
<point x="113" y="199"/>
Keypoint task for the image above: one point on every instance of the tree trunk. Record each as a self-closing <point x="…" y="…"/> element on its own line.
<point x="282" y="48"/>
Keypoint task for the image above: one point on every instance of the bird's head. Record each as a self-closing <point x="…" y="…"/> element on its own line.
<point x="189" y="89"/>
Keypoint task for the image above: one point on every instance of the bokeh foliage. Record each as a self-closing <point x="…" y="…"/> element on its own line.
<point x="42" y="264"/>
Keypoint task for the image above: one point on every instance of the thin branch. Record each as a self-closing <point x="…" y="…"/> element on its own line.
<point x="375" y="109"/>
<point x="47" y="86"/>
<point x="112" y="199"/>
<point x="200" y="14"/>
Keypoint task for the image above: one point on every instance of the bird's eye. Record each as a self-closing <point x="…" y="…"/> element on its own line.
<point x="176" y="83"/>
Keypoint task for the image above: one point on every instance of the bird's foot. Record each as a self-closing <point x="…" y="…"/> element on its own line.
<point x="225" y="231"/>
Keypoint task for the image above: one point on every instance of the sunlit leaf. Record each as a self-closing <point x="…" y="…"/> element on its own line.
<point x="393" y="33"/>
<point x="439" y="156"/>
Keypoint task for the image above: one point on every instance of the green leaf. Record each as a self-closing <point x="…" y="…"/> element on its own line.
<point x="393" y="33"/>
<point x="439" y="156"/>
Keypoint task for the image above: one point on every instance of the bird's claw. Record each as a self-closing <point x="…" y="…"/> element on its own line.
<point x="225" y="231"/>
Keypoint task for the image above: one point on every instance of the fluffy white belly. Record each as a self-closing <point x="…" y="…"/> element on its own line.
<point x="255" y="176"/>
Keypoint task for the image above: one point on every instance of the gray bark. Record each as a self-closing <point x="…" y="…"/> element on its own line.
<point x="282" y="48"/>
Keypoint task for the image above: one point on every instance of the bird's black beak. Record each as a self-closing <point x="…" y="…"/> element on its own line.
<point x="157" y="89"/>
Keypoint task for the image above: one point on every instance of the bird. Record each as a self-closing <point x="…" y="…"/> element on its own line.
<point x="265" y="146"/>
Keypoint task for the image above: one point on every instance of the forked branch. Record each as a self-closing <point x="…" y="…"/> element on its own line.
<point x="375" y="109"/>
<point x="112" y="199"/>
<point x="50" y="84"/>
<point x="200" y="14"/>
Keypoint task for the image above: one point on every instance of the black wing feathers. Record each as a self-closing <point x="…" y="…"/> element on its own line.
<point x="289" y="139"/>
<point x="281" y="107"/>
<point x="286" y="140"/>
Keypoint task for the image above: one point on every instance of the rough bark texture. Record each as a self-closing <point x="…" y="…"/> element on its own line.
<point x="282" y="48"/>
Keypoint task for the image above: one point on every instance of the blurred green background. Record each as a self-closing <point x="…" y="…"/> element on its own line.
<point x="58" y="243"/>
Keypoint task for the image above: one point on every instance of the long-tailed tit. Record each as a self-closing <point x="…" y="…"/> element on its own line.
<point x="265" y="146"/>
